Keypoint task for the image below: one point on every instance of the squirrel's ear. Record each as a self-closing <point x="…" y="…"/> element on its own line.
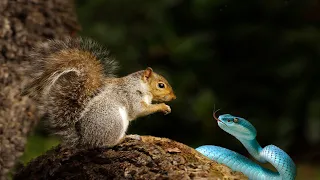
<point x="147" y="73"/>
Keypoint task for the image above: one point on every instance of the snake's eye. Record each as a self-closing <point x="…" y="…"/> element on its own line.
<point x="235" y="120"/>
<point x="229" y="120"/>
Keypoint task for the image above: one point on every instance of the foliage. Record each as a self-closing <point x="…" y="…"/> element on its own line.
<point x="254" y="59"/>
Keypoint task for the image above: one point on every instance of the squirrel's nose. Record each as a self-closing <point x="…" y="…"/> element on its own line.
<point x="174" y="97"/>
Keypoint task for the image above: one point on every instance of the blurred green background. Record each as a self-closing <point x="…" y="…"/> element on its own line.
<point x="255" y="59"/>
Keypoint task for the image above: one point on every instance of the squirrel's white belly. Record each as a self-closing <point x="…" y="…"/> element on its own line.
<point x="125" y="121"/>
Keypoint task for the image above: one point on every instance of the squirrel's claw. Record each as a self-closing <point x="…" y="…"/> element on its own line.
<point x="167" y="110"/>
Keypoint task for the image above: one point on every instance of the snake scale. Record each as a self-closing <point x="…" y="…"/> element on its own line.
<point x="246" y="133"/>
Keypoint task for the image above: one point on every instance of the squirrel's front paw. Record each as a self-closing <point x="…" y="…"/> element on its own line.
<point x="166" y="109"/>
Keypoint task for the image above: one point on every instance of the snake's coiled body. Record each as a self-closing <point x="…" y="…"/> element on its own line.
<point x="246" y="133"/>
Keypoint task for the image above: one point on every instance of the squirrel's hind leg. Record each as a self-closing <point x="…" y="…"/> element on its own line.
<point x="102" y="129"/>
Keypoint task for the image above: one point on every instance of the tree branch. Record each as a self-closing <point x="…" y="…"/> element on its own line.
<point x="148" y="158"/>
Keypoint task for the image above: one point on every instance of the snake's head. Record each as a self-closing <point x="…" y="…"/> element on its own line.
<point x="236" y="126"/>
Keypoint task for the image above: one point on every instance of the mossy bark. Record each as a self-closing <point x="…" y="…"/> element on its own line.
<point x="148" y="158"/>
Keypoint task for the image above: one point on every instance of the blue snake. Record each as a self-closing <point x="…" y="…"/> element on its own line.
<point x="245" y="132"/>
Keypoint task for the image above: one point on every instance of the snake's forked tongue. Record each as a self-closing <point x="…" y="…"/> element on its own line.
<point x="215" y="117"/>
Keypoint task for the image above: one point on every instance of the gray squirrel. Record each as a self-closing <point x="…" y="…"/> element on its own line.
<point x="87" y="105"/>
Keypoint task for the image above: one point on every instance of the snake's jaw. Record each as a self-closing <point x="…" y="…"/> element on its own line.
<point x="222" y="125"/>
<point x="221" y="122"/>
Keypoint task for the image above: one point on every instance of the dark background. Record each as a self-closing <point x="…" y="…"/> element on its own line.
<point x="259" y="60"/>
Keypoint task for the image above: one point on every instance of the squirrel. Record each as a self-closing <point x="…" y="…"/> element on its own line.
<point x="87" y="104"/>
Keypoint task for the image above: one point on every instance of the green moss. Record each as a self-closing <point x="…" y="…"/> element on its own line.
<point x="37" y="145"/>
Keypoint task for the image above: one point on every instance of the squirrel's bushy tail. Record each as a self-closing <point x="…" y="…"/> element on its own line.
<point x="66" y="74"/>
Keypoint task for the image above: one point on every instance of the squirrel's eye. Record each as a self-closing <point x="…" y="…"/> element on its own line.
<point x="235" y="120"/>
<point x="161" y="85"/>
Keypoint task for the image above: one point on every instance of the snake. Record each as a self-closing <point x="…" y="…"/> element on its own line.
<point x="246" y="133"/>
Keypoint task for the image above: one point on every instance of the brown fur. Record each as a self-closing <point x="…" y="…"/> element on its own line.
<point x="87" y="105"/>
<point x="159" y="95"/>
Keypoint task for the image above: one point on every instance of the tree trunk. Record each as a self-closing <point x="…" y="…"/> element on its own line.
<point x="148" y="158"/>
<point x="23" y="23"/>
